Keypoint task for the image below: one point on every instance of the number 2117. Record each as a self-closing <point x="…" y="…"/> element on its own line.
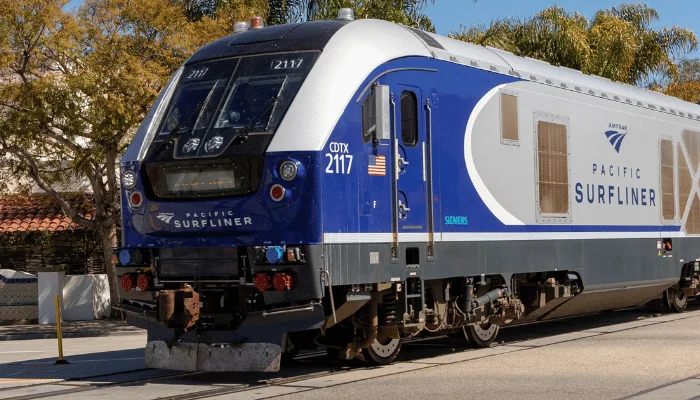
<point x="338" y="164"/>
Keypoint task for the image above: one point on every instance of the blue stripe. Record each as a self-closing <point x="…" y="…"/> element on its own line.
<point x="567" y="228"/>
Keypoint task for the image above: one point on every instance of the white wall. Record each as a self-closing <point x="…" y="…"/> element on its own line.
<point x="83" y="297"/>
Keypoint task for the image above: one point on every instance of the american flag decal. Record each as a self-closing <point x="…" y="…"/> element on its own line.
<point x="377" y="165"/>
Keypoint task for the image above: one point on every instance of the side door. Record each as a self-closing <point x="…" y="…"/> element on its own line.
<point x="412" y="98"/>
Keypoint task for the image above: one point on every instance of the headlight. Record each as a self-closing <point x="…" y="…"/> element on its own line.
<point x="288" y="170"/>
<point x="191" y="145"/>
<point x="129" y="180"/>
<point x="214" y="144"/>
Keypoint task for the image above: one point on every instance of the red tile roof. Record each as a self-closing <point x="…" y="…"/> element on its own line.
<point x="40" y="213"/>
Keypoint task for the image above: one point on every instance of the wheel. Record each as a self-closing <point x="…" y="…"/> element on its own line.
<point x="480" y="335"/>
<point x="677" y="299"/>
<point x="382" y="353"/>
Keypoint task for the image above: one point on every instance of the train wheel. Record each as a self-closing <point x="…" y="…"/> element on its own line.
<point x="480" y="335"/>
<point x="382" y="353"/>
<point x="677" y="299"/>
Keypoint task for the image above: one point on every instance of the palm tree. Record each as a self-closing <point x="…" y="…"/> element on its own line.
<point x="619" y="43"/>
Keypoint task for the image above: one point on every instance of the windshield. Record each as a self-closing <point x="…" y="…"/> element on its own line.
<point x="218" y="101"/>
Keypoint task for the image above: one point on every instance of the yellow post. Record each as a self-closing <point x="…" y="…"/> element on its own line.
<point x="58" y="332"/>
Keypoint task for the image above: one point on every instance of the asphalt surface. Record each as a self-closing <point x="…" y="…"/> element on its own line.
<point x="628" y="354"/>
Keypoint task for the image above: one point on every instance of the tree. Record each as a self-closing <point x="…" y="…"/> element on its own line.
<point x="75" y="86"/>
<point x="224" y="11"/>
<point x="619" y="43"/>
<point x="685" y="84"/>
<point x="407" y="12"/>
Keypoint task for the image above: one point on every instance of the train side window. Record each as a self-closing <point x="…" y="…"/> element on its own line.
<point x="509" y="118"/>
<point x="369" y="116"/>
<point x="552" y="169"/>
<point x="409" y="118"/>
<point x="667" y="167"/>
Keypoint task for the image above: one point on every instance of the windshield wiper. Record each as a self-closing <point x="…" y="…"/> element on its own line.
<point x="250" y="125"/>
<point x="174" y="134"/>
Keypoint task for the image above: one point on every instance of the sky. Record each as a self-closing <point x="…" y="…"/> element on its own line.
<point x="447" y="15"/>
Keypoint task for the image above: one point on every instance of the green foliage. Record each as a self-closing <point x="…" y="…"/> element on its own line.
<point x="406" y="12"/>
<point x="618" y="43"/>
<point x="685" y="84"/>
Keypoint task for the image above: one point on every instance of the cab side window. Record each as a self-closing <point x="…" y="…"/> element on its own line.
<point x="409" y="119"/>
<point x="369" y="117"/>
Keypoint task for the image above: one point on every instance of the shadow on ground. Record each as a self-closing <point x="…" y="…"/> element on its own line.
<point x="80" y="366"/>
<point x="121" y="368"/>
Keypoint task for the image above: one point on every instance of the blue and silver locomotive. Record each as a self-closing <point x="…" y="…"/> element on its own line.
<point x="353" y="184"/>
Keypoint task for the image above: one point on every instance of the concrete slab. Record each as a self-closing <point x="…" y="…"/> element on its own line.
<point x="472" y="354"/>
<point x="623" y="326"/>
<point x="549" y="340"/>
<point x="141" y="391"/>
<point x="603" y="366"/>
<point x="33" y="390"/>
<point x="675" y="317"/>
<point x="356" y="375"/>
<point x="261" y="393"/>
<point x="688" y="389"/>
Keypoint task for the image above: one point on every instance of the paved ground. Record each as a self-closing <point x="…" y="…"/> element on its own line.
<point x="630" y="354"/>
<point x="71" y="329"/>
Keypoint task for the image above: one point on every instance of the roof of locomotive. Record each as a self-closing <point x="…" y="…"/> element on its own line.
<point x="351" y="50"/>
<point x="501" y="61"/>
<point x="316" y="35"/>
<point x="277" y="38"/>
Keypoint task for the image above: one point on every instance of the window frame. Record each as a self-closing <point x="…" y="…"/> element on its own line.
<point x="371" y="127"/>
<point x="505" y="141"/>
<point x="552" y="218"/>
<point x="416" y="119"/>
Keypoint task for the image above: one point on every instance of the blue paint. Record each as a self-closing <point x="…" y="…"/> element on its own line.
<point x="124" y="257"/>
<point x="615" y="138"/>
<point x="335" y="193"/>
<point x="274" y="254"/>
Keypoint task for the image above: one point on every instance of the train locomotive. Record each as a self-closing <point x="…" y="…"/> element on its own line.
<point x="355" y="184"/>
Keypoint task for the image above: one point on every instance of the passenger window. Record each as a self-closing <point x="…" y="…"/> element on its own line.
<point x="409" y="119"/>
<point x="369" y="117"/>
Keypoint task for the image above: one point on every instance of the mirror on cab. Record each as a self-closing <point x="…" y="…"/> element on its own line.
<point x="376" y="115"/>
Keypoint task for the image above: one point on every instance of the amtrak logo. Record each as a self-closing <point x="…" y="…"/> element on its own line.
<point x="615" y="137"/>
<point x="165" y="217"/>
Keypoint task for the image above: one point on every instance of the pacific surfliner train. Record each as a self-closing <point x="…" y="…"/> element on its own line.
<point x="353" y="184"/>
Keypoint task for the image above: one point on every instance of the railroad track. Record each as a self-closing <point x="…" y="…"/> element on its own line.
<point x="313" y="365"/>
